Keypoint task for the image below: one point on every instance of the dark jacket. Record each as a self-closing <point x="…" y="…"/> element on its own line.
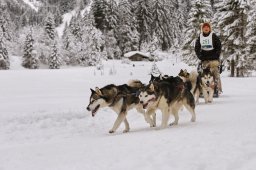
<point x="209" y="55"/>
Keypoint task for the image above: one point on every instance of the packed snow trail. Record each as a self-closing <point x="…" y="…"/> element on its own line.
<point x="44" y="124"/>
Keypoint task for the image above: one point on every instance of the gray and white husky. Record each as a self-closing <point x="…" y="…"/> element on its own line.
<point x="208" y="85"/>
<point x="121" y="99"/>
<point x="169" y="96"/>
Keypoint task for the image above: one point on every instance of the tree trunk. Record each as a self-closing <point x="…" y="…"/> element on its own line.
<point x="232" y="67"/>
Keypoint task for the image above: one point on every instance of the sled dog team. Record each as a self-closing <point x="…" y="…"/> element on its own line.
<point x="166" y="93"/>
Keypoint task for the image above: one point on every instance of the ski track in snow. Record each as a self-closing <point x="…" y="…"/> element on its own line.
<point x="44" y="124"/>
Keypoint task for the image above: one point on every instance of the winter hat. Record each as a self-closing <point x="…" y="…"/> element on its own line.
<point x="206" y="24"/>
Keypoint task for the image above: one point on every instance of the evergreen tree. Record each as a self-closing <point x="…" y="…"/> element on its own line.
<point x="144" y="20"/>
<point x="250" y="50"/>
<point x="98" y="9"/>
<point x="155" y="70"/>
<point x="69" y="47"/>
<point x="75" y="26"/>
<point x="231" y="17"/>
<point x="4" y="58"/>
<point x="111" y="14"/>
<point x="54" y="59"/>
<point x="112" y="49"/>
<point x="165" y="23"/>
<point x="30" y="59"/>
<point x="127" y="34"/>
<point x="199" y="13"/>
<point x="92" y="46"/>
<point x="49" y="26"/>
<point x="5" y="30"/>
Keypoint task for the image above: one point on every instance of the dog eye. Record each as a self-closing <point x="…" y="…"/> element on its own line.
<point x="146" y="96"/>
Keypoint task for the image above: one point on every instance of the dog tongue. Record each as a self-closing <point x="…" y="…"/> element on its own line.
<point x="145" y="105"/>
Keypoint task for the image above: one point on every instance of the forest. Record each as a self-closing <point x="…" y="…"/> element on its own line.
<point x="107" y="29"/>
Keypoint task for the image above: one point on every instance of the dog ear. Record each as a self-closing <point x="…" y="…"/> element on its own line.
<point x="98" y="91"/>
<point x="185" y="71"/>
<point x="92" y="90"/>
<point x="151" y="87"/>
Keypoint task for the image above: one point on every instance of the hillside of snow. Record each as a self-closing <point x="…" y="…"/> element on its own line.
<point x="44" y="124"/>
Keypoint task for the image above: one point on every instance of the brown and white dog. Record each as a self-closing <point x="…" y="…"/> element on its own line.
<point x="169" y="96"/>
<point x="120" y="99"/>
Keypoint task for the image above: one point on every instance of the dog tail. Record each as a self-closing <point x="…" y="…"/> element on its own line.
<point x="193" y="76"/>
<point x="135" y="83"/>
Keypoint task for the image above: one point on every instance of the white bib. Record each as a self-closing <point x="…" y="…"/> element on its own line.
<point x="206" y="42"/>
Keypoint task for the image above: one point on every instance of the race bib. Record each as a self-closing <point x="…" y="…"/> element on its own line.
<point x="206" y="42"/>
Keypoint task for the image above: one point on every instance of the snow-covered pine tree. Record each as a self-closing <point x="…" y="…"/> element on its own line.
<point x="250" y="50"/>
<point x="111" y="14"/>
<point x="30" y="59"/>
<point x="4" y="58"/>
<point x="231" y="17"/>
<point x="5" y="30"/>
<point x="127" y="35"/>
<point x="75" y="26"/>
<point x="112" y="49"/>
<point x="98" y="9"/>
<point x="165" y="23"/>
<point x="68" y="47"/>
<point x="155" y="70"/>
<point x="200" y="12"/>
<point x="54" y="59"/>
<point x="91" y="45"/>
<point x="49" y="26"/>
<point x="144" y="20"/>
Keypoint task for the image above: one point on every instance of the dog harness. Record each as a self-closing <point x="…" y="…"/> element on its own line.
<point x="206" y="42"/>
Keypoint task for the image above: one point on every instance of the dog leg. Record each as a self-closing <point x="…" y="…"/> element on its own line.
<point x="148" y="117"/>
<point x="165" y="118"/>
<point x="192" y="111"/>
<point x="127" y="127"/>
<point x="154" y="119"/>
<point x="210" y="96"/>
<point x="205" y="96"/>
<point x="120" y="118"/>
<point x="176" y="116"/>
<point x="197" y="94"/>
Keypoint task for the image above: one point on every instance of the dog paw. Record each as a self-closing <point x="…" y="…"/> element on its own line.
<point x="111" y="131"/>
<point x="193" y="119"/>
<point x="126" y="130"/>
<point x="152" y="125"/>
<point x="160" y="128"/>
<point x="173" y="123"/>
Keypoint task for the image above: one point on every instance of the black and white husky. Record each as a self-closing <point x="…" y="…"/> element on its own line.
<point x="208" y="85"/>
<point x="120" y="98"/>
<point x="168" y="95"/>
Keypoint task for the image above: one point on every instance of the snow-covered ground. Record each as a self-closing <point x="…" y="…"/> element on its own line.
<point x="44" y="124"/>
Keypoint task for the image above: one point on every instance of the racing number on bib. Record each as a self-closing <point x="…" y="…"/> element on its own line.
<point x="206" y="42"/>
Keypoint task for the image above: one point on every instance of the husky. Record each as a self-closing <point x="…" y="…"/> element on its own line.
<point x="169" y="96"/>
<point x="157" y="78"/>
<point x="208" y="85"/>
<point x="192" y="82"/>
<point x="120" y="98"/>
